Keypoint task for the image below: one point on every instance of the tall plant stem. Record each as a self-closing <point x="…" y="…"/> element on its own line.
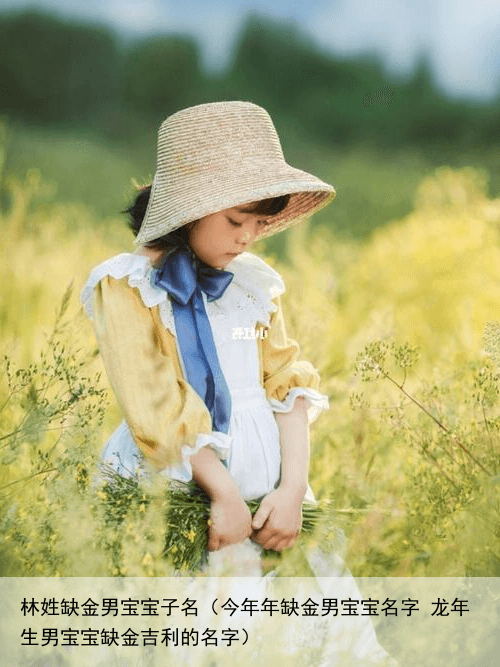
<point x="436" y="421"/>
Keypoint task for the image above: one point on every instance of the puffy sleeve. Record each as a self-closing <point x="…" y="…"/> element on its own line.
<point x="162" y="410"/>
<point x="286" y="377"/>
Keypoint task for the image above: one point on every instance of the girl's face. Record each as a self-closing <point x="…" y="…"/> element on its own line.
<point x="217" y="238"/>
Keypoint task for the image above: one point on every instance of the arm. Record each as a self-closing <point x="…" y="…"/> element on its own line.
<point x="230" y="518"/>
<point x="281" y="368"/>
<point x="276" y="524"/>
<point x="278" y="521"/>
<point x="162" y="410"/>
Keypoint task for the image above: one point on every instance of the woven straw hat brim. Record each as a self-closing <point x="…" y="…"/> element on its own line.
<point x="220" y="155"/>
<point x="307" y="197"/>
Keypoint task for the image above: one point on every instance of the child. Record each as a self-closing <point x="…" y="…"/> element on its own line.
<point x="191" y="330"/>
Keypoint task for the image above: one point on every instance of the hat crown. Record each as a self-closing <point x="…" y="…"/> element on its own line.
<point x="213" y="136"/>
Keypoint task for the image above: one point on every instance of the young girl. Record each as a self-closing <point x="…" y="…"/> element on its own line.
<point x="191" y="330"/>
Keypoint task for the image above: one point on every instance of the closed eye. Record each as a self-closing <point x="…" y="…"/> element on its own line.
<point x="261" y="223"/>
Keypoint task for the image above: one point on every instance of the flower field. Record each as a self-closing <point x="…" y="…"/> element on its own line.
<point x="408" y="454"/>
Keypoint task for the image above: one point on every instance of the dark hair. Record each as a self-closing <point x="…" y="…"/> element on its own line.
<point x="264" y="207"/>
<point x="137" y="212"/>
<point x="269" y="207"/>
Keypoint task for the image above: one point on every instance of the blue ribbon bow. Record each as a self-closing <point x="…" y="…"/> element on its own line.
<point x="184" y="277"/>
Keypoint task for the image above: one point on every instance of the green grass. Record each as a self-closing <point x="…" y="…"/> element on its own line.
<point x="83" y="166"/>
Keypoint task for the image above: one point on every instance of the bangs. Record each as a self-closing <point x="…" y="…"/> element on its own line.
<point x="268" y="207"/>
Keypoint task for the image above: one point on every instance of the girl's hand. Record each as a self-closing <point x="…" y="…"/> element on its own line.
<point x="277" y="523"/>
<point x="230" y="522"/>
<point x="230" y="519"/>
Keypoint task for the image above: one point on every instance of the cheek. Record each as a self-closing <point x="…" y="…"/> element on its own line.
<point x="212" y="239"/>
<point x="218" y="237"/>
<point x="212" y="235"/>
<point x="197" y="236"/>
<point x="203" y="238"/>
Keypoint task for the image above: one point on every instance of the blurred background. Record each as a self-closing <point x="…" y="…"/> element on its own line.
<point x="371" y="96"/>
<point x="396" y="103"/>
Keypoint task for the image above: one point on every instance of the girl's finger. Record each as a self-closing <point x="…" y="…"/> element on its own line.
<point x="260" y="517"/>
<point x="214" y="543"/>
<point x="272" y="543"/>
<point x="284" y="543"/>
<point x="264" y="536"/>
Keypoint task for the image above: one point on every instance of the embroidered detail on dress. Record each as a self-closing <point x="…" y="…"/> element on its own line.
<point x="247" y="301"/>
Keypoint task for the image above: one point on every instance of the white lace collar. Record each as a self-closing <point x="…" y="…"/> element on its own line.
<point x="254" y="286"/>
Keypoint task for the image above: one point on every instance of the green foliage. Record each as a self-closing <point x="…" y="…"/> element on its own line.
<point x="186" y="518"/>
<point x="54" y="71"/>
<point x="276" y="64"/>
<point x="161" y="75"/>
<point x="373" y="187"/>
<point x="85" y="167"/>
<point x="49" y="414"/>
<point x="451" y="444"/>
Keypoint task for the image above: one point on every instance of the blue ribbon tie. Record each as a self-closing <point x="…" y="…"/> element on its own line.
<point x="185" y="277"/>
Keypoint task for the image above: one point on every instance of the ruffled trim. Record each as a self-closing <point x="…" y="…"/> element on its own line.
<point x="250" y="294"/>
<point x="316" y="402"/>
<point x="140" y="273"/>
<point x="183" y="472"/>
<point x="122" y="455"/>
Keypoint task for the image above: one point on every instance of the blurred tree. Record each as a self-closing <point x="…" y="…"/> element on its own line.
<point x="276" y="64"/>
<point x="162" y="75"/>
<point x="484" y="128"/>
<point x="425" y="114"/>
<point x="54" y="71"/>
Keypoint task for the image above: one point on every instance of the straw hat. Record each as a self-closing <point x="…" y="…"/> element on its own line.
<point x="219" y="155"/>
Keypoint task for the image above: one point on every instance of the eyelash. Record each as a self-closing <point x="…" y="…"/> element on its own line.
<point x="262" y="223"/>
